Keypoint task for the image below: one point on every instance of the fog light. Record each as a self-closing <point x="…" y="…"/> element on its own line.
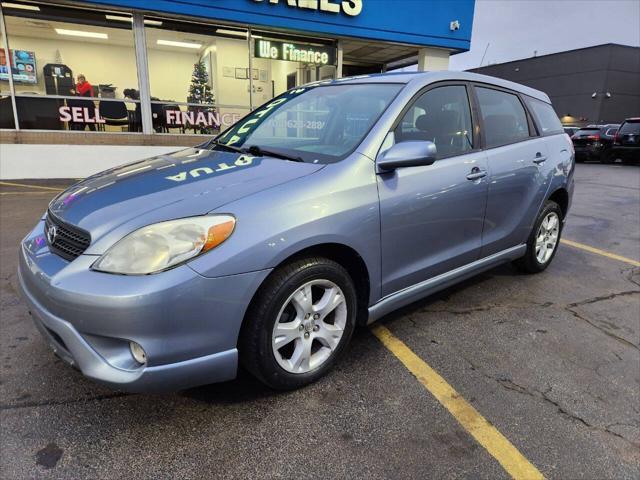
<point x="138" y="353"/>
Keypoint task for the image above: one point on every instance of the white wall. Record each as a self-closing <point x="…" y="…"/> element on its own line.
<point x="68" y="161"/>
<point x="170" y="73"/>
<point x="100" y="63"/>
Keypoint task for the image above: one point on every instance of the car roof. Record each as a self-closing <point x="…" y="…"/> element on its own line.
<point x="427" y="78"/>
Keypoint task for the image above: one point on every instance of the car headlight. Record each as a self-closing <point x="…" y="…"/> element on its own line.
<point x="163" y="245"/>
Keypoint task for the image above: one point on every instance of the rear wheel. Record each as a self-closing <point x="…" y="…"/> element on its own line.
<point x="299" y="323"/>
<point x="543" y="241"/>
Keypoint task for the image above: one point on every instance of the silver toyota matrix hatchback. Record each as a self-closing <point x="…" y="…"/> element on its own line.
<point x="326" y="208"/>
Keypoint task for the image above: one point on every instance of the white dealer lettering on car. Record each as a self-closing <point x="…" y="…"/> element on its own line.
<point x="242" y="161"/>
<point x="246" y="126"/>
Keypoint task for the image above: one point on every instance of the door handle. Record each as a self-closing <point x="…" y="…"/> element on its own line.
<point x="539" y="159"/>
<point x="476" y="174"/>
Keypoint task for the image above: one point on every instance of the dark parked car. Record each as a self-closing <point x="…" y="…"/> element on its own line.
<point x="570" y="130"/>
<point x="594" y="142"/>
<point x="626" y="144"/>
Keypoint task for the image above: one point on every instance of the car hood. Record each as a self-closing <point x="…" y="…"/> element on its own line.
<point x="185" y="183"/>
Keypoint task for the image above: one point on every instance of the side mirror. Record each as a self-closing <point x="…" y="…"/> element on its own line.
<point x="407" y="154"/>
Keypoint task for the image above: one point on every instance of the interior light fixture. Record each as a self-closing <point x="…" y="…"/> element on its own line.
<point x="21" y="6"/>
<point x="81" y="33"/>
<point x="171" y="43"/>
<point x="118" y="18"/>
<point x="236" y="33"/>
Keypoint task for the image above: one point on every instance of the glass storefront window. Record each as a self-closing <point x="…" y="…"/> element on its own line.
<point x="75" y="69"/>
<point x="198" y="76"/>
<point x="6" y="105"/>
<point x="72" y="69"/>
<point x="6" y="112"/>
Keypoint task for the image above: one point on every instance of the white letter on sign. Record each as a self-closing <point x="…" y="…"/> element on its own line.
<point x="327" y="6"/>
<point x="311" y="4"/>
<point x="352" y="7"/>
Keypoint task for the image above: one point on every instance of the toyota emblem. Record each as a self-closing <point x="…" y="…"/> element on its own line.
<point x="52" y="232"/>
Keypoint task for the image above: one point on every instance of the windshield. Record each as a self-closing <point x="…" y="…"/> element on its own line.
<point x="318" y="124"/>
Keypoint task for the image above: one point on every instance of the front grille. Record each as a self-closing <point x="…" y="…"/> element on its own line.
<point x="69" y="241"/>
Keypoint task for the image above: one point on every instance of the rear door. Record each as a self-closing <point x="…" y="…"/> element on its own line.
<point x="517" y="161"/>
<point x="432" y="216"/>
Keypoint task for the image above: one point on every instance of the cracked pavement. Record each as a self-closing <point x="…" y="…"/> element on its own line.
<point x="551" y="360"/>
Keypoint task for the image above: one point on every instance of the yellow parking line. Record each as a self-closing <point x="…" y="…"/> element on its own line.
<point x="486" y="434"/>
<point x="597" y="251"/>
<point x="11" y="184"/>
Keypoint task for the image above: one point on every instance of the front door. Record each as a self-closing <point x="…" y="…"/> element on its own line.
<point x="432" y="216"/>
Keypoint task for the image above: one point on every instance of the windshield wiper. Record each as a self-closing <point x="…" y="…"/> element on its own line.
<point x="224" y="145"/>
<point x="260" y="152"/>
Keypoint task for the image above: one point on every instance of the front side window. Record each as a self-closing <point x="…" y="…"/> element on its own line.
<point x="441" y="116"/>
<point x="71" y="68"/>
<point x="314" y="123"/>
<point x="548" y="121"/>
<point x="503" y="116"/>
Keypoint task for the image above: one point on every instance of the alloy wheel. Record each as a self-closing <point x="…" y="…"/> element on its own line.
<point x="547" y="237"/>
<point x="309" y="326"/>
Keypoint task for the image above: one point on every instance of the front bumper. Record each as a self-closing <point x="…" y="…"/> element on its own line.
<point x="187" y="324"/>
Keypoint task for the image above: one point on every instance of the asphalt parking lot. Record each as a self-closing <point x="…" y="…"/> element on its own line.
<point x="552" y="361"/>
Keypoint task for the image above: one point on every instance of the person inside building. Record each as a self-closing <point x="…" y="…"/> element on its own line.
<point x="82" y="88"/>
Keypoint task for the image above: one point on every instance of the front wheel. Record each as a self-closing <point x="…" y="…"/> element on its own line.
<point x="299" y="323"/>
<point x="543" y="241"/>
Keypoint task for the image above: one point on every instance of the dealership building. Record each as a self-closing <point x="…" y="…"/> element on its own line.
<point x="166" y="74"/>
<point x="599" y="84"/>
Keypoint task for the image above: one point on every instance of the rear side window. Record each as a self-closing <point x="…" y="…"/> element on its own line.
<point x="503" y="116"/>
<point x="632" y="127"/>
<point x="545" y="115"/>
<point x="442" y="116"/>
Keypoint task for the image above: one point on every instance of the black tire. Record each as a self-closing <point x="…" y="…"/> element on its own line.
<point x="529" y="262"/>
<point x="579" y="159"/>
<point x="255" y="343"/>
<point x="607" y="157"/>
